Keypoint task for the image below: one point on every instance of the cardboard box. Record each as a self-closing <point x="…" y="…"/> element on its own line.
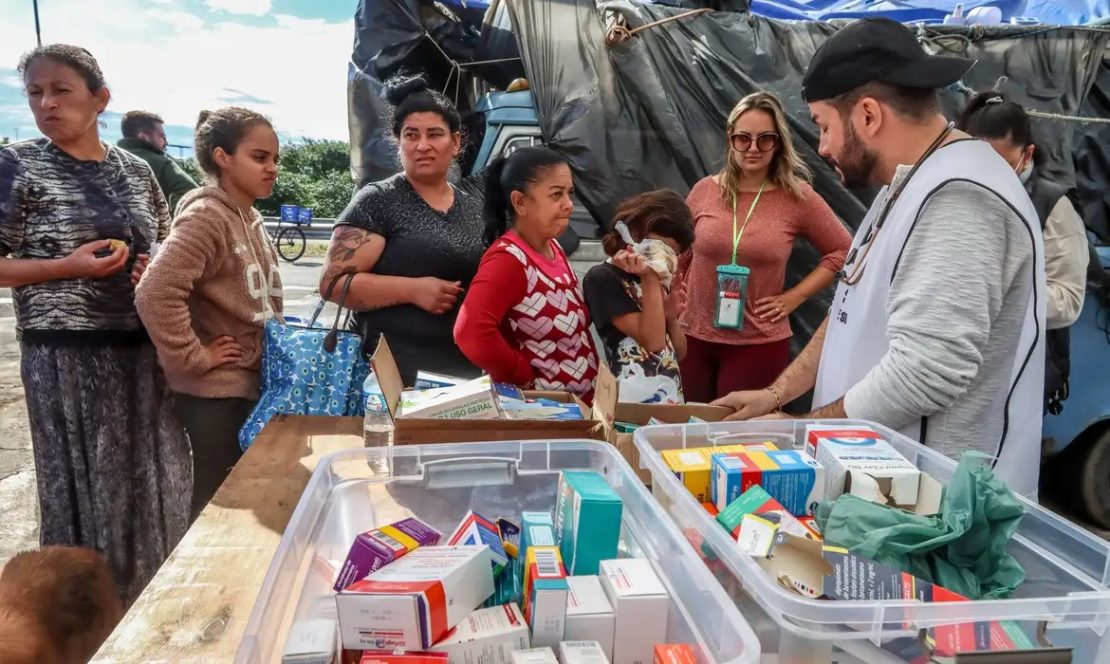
<point x="590" y="616"/>
<point x="794" y="479"/>
<point x="413" y="602"/>
<point x="475" y="530"/>
<point x="754" y="518"/>
<point x="381" y="546"/>
<point x="545" y="594"/>
<point x="674" y="653"/>
<point x="310" y="642"/>
<point x="711" y="508"/>
<point x="419" y="431"/>
<point x="472" y="400"/>
<point x="608" y="410"/>
<point x="587" y="521"/>
<point x="487" y="636"/>
<point x="860" y="462"/>
<point x="534" y="656"/>
<point x="641" y="604"/>
<point x="582" y="652"/>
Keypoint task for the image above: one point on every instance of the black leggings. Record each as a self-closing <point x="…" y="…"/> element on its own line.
<point x="213" y="427"/>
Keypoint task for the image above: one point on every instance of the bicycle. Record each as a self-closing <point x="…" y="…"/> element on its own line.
<point x="288" y="238"/>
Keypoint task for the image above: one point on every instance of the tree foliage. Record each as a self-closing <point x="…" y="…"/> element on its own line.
<point x="312" y="174"/>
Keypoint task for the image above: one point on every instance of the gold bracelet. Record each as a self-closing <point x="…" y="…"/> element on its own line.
<point x="775" y="394"/>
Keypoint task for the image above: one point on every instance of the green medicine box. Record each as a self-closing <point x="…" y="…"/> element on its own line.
<point x="587" y="521"/>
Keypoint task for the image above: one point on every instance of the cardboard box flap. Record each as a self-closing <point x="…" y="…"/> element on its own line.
<point x="798" y="565"/>
<point x="606" y="396"/>
<point x="608" y="407"/>
<point x="389" y="376"/>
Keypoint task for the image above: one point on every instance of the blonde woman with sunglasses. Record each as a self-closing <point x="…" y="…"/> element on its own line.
<point x="746" y="218"/>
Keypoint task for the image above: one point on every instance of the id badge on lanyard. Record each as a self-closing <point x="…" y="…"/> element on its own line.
<point x="732" y="293"/>
<point x="732" y="279"/>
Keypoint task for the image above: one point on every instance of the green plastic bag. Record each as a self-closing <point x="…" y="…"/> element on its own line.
<point x="962" y="548"/>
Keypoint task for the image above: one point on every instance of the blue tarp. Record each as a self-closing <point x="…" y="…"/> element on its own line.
<point x="1051" y="12"/>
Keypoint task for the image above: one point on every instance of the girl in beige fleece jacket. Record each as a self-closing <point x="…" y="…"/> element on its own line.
<point x="210" y="289"/>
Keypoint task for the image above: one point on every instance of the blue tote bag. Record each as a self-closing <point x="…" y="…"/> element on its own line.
<point x="309" y="369"/>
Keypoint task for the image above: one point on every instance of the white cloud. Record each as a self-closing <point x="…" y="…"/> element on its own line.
<point x="248" y="7"/>
<point x="176" y="64"/>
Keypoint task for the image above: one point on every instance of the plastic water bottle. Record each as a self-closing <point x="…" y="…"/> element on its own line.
<point x="377" y="427"/>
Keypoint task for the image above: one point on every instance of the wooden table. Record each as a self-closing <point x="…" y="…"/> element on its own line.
<point x="196" y="607"/>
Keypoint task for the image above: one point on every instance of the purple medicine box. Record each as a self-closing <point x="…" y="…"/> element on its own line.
<point x="373" y="550"/>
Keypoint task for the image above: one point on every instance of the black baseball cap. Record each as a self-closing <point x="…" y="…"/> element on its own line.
<point x="877" y="50"/>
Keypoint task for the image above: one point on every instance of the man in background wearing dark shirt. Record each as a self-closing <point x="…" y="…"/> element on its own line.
<point x="144" y="136"/>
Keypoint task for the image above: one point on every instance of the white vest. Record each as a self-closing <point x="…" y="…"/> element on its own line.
<point x="856" y="339"/>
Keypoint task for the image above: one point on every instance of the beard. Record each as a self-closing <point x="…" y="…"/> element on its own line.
<point x="856" y="162"/>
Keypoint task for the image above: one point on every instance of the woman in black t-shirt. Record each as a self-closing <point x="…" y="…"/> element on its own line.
<point x="630" y="300"/>
<point x="413" y="240"/>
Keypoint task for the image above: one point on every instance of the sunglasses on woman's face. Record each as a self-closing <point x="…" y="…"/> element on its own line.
<point x="765" y="142"/>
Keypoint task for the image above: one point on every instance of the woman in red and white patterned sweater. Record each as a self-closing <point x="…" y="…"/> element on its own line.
<point x="524" y="319"/>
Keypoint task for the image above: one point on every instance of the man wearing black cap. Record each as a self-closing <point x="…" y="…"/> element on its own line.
<point x="937" y="325"/>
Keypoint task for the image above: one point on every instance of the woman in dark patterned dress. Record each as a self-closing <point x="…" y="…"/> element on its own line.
<point x="78" y="219"/>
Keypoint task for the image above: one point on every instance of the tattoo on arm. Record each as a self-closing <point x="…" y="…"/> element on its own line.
<point x="346" y="244"/>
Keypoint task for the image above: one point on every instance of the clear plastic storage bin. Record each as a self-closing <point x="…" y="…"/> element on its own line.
<point x="1066" y="591"/>
<point x="438" y="484"/>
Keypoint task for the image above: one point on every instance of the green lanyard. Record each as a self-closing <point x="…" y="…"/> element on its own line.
<point x="736" y="236"/>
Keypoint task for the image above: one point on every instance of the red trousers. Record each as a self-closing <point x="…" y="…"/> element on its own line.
<point x="711" y="370"/>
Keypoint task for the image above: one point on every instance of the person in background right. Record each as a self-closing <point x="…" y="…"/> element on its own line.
<point x="631" y="299"/>
<point x="748" y="216"/>
<point x="1006" y="126"/>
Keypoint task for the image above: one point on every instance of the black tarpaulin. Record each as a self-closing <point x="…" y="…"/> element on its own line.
<point x="394" y="36"/>
<point x="1092" y="157"/>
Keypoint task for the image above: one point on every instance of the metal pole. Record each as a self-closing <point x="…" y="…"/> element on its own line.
<point x="38" y="27"/>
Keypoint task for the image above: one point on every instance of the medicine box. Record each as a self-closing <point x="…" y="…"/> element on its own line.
<point x="487" y="636"/>
<point x="641" y="604"/>
<point x="310" y="642"/>
<point x="534" y="656"/>
<point x="582" y="652"/>
<point x="755" y="517"/>
<point x="587" y="521"/>
<point x="545" y="594"/>
<point x="846" y="452"/>
<point x="397" y="657"/>
<point x="372" y="550"/>
<point x="589" y="614"/>
<point x="794" y="479"/>
<point x="537" y="529"/>
<point x="674" y="653"/>
<point x="412" y="603"/>
<point x="472" y="400"/>
<point x="475" y="530"/>
<point x="692" y="465"/>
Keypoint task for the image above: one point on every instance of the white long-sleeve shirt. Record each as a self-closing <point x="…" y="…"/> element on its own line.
<point x="1066" y="256"/>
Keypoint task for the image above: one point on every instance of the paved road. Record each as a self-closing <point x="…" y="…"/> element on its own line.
<point x="18" y="507"/>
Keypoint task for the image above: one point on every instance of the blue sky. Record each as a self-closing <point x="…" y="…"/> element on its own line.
<point x="285" y="58"/>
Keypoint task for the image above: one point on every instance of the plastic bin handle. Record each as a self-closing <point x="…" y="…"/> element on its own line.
<point x="469" y="471"/>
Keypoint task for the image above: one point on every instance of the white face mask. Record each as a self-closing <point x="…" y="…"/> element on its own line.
<point x="1024" y="169"/>
<point x="1025" y="173"/>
